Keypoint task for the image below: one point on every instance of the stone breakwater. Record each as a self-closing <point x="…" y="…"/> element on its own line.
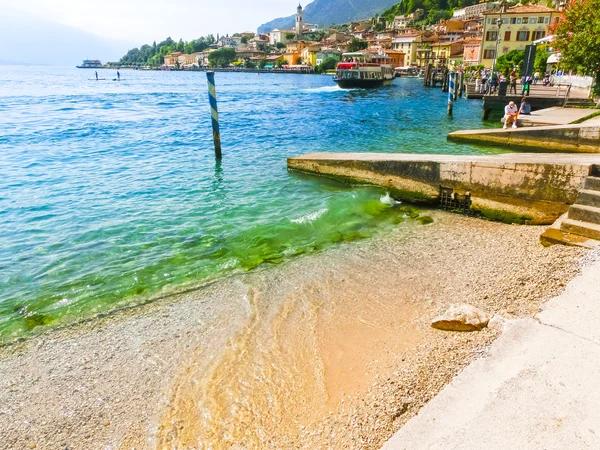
<point x="514" y="188"/>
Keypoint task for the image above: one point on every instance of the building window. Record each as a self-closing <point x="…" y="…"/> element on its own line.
<point x="507" y="35"/>
<point x="525" y="20"/>
<point x="489" y="54"/>
<point x="489" y="21"/>
<point x="518" y="20"/>
<point x="546" y="19"/>
<point x="491" y="35"/>
<point x="556" y="19"/>
<point x="522" y="35"/>
<point x="513" y="20"/>
<point x="505" y="21"/>
<point x="538" y="35"/>
<point x="532" y="20"/>
<point x="540" y="20"/>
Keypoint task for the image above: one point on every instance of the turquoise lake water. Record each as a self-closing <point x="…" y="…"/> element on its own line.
<point x="110" y="194"/>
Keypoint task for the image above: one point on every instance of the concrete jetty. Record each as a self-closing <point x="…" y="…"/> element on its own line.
<point x="574" y="138"/>
<point x="537" y="388"/>
<point x="535" y="188"/>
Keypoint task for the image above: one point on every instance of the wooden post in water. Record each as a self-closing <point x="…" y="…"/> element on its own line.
<point x="451" y="97"/>
<point x="212" y="99"/>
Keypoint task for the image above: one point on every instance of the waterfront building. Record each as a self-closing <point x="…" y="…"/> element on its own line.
<point x="277" y="36"/>
<point x="459" y="13"/>
<point x="397" y="57"/>
<point x="259" y="42"/>
<point x="309" y="54"/>
<point x="229" y="42"/>
<point x="299" y="21"/>
<point x="327" y="53"/>
<point x="407" y="44"/>
<point x="521" y="25"/>
<point x="476" y="11"/>
<point x="471" y="50"/>
<point x="403" y="21"/>
<point x="248" y="52"/>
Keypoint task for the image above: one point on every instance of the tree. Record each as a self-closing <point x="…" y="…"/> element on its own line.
<point x="356" y="45"/>
<point x="249" y="64"/>
<point x="506" y="63"/>
<point x="244" y="39"/>
<point x="577" y="38"/>
<point x="280" y="45"/>
<point x="290" y="36"/>
<point x="262" y="63"/>
<point x="222" y="58"/>
<point x="541" y="58"/>
<point x="299" y="60"/>
<point x="327" y="64"/>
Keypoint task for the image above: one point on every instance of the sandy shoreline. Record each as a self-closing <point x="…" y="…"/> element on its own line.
<point x="331" y="350"/>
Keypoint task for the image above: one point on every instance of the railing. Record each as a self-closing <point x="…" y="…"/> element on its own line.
<point x="572" y="80"/>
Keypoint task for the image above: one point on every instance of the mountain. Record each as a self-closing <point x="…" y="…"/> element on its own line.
<point x="327" y="12"/>
<point x="36" y="41"/>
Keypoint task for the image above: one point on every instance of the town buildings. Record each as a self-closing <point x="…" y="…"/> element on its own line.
<point x="469" y="38"/>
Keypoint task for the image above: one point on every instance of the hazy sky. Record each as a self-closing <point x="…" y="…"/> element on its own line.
<point x="142" y="21"/>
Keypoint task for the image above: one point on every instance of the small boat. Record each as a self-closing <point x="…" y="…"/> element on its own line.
<point x="91" y="64"/>
<point x="407" y="72"/>
<point x="363" y="70"/>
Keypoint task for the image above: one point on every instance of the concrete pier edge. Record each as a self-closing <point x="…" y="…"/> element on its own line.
<point x="535" y="188"/>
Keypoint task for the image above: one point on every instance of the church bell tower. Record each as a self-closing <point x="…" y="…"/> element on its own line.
<point x="299" y="21"/>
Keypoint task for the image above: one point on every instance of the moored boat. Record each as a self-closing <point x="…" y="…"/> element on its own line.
<point x="363" y="70"/>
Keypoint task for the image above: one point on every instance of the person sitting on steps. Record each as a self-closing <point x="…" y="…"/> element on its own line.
<point x="511" y="114"/>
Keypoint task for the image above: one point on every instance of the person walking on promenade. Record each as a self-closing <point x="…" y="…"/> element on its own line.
<point x="96" y="75"/>
<point x="526" y="84"/>
<point x="511" y="114"/>
<point x="118" y="76"/>
<point x="513" y="82"/>
<point x="536" y="77"/>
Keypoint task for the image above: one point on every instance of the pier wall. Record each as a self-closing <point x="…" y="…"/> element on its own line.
<point x="573" y="138"/>
<point x="510" y="188"/>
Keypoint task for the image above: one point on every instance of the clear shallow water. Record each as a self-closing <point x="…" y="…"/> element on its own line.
<point x="110" y="194"/>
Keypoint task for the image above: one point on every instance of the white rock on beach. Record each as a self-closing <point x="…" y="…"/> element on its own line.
<point x="461" y="318"/>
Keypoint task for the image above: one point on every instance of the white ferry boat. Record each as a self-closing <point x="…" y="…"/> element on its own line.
<point x="363" y="70"/>
<point x="90" y="64"/>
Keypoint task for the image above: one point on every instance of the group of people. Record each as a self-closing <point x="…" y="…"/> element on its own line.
<point x="118" y="75"/>
<point x="511" y="112"/>
<point x="488" y="82"/>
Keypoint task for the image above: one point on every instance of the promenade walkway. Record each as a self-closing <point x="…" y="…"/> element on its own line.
<point x="537" y="389"/>
<point x="555" y="116"/>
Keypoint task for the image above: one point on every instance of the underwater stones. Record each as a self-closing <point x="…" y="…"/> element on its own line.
<point x="461" y="318"/>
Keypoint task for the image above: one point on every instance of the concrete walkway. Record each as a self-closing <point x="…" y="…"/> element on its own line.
<point x="554" y="116"/>
<point x="537" y="389"/>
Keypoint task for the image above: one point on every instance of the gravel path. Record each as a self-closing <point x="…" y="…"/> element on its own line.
<point x="344" y="333"/>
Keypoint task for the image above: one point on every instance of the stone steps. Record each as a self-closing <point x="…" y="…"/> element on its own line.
<point x="588" y="197"/>
<point x="581" y="225"/>
<point x="585" y="213"/>
<point x="592" y="183"/>
<point x="586" y="229"/>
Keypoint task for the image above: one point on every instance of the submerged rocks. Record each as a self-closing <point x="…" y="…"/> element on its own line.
<point x="461" y="318"/>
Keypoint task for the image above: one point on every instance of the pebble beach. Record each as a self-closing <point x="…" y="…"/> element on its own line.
<point x="331" y="350"/>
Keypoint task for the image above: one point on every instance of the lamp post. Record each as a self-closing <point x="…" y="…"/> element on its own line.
<point x="499" y="24"/>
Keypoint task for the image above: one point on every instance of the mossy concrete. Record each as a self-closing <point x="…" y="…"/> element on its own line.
<point x="514" y="188"/>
